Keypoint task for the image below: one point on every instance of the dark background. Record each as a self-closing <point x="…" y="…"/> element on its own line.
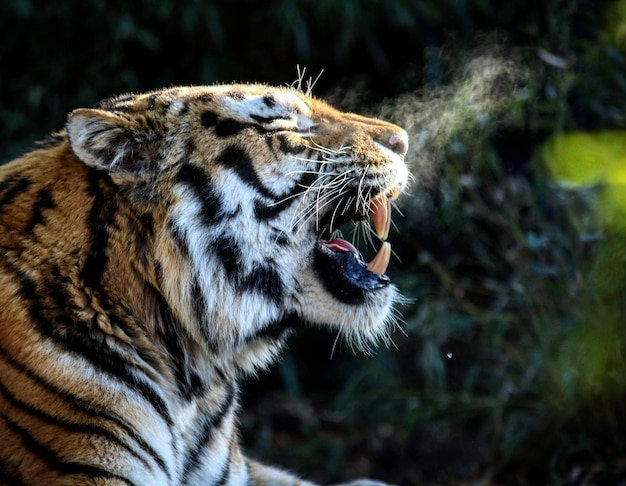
<point x="510" y="366"/>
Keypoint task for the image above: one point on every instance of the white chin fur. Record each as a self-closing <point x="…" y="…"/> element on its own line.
<point x="362" y="326"/>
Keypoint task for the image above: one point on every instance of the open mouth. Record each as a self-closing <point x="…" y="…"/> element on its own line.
<point x="341" y="266"/>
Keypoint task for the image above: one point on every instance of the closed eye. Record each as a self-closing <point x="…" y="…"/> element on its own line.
<point x="296" y="124"/>
<point x="307" y="131"/>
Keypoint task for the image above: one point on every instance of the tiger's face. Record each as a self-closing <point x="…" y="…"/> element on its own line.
<point x="246" y="187"/>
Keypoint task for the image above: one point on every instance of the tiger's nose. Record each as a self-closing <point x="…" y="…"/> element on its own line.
<point x="398" y="142"/>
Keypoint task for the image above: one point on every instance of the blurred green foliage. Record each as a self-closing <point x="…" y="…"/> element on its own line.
<point x="512" y="367"/>
<point x="59" y="55"/>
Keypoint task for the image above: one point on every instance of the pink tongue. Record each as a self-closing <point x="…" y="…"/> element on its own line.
<point x="337" y="244"/>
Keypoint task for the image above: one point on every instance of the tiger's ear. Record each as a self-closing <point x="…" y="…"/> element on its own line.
<point x="120" y="143"/>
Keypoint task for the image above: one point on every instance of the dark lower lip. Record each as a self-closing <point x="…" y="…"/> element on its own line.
<point x="345" y="275"/>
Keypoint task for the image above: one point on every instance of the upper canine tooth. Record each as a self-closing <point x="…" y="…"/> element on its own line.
<point x="381" y="215"/>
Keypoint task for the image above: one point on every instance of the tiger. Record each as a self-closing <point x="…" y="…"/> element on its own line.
<point x="157" y="251"/>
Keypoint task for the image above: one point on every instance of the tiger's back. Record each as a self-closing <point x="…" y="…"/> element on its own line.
<point x="159" y="249"/>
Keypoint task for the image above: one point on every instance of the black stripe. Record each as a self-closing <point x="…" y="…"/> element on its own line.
<point x="199" y="307"/>
<point x="277" y="330"/>
<point x="229" y="127"/>
<point x="114" y="364"/>
<point x="12" y="180"/>
<point x="9" y="478"/>
<point x="266" y="281"/>
<point x="178" y="238"/>
<point x="155" y="128"/>
<point x="280" y="238"/>
<point x="208" y="119"/>
<point x="202" y="186"/>
<point x="28" y="291"/>
<point x="54" y="462"/>
<point x="288" y="147"/>
<point x="249" y="479"/>
<point x="263" y="279"/>
<point x="175" y="338"/>
<point x="56" y="290"/>
<point x="234" y="447"/>
<point x="78" y="339"/>
<point x="85" y="406"/>
<point x="7" y="183"/>
<point x="52" y="140"/>
<point x="89" y="429"/>
<point x="101" y="215"/>
<point x="265" y="211"/>
<point x="267" y="119"/>
<point x="44" y="201"/>
<point x="229" y="254"/>
<point x="269" y="101"/>
<point x="226" y="472"/>
<point x="238" y="160"/>
<point x="14" y="187"/>
<point x="203" y="439"/>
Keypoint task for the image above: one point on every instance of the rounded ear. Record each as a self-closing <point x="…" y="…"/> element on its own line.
<point x="116" y="142"/>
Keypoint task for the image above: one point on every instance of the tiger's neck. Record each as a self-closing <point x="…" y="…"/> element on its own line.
<point x="108" y="260"/>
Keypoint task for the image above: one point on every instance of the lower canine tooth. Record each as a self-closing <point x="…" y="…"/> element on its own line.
<point x="380" y="262"/>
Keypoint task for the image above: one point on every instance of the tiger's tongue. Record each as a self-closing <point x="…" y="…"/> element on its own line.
<point x="381" y="217"/>
<point x="337" y="244"/>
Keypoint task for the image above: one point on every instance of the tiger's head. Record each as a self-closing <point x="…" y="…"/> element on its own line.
<point x="246" y="187"/>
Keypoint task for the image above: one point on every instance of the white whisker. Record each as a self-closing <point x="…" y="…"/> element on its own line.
<point x="320" y="148"/>
<point x="396" y="207"/>
<point x="337" y="338"/>
<point x="314" y="209"/>
<point x="362" y="200"/>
